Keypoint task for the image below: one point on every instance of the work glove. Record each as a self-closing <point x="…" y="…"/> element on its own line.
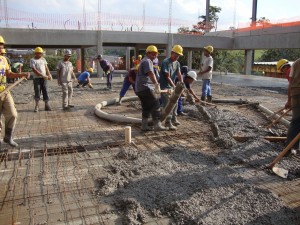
<point x="90" y="85"/>
<point x="157" y="89"/>
<point x="108" y="72"/>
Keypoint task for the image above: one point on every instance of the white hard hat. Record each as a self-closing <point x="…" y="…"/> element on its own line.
<point x="192" y="74"/>
<point x="68" y="52"/>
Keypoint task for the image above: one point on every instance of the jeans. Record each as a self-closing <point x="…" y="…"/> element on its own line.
<point x="109" y="79"/>
<point x="206" y="90"/>
<point x="40" y="85"/>
<point x="165" y="98"/>
<point x="150" y="104"/>
<point x="83" y="82"/>
<point x="125" y="87"/>
<point x="179" y="107"/>
<point x="294" y="128"/>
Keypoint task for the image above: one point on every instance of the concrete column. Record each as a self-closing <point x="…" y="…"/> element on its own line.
<point x="99" y="52"/>
<point x="190" y="59"/>
<point x="170" y="45"/>
<point x="248" y="61"/>
<point x="82" y="53"/>
<point x="128" y="58"/>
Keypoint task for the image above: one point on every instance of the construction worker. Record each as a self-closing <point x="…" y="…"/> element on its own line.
<point x="65" y="74"/>
<point x="206" y="73"/>
<point x="284" y="67"/>
<point x="108" y="70"/>
<point x="148" y="90"/>
<point x="3" y="53"/>
<point x="129" y="80"/>
<point x="7" y="105"/>
<point x="85" y="78"/>
<point x="188" y="78"/>
<point x="137" y="62"/>
<point x="41" y="77"/>
<point x="293" y="102"/>
<point x="170" y="69"/>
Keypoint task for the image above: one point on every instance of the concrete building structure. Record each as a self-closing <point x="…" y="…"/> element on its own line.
<point x="248" y="40"/>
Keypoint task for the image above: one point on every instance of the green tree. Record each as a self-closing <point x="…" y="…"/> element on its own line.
<point x="276" y="54"/>
<point x="203" y="26"/>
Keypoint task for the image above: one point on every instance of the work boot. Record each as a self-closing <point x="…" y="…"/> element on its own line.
<point x="145" y="126"/>
<point x="158" y="126"/>
<point x="36" y="108"/>
<point x="8" y="137"/>
<point x="169" y="125"/>
<point x="203" y="99"/>
<point x="47" y="106"/>
<point x="209" y="99"/>
<point x="175" y="122"/>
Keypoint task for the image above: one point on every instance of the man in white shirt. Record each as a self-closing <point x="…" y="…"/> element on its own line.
<point x="206" y="73"/>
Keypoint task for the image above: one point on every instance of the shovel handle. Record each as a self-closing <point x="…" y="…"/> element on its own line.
<point x="278" y="111"/>
<point x="207" y="103"/>
<point x="287" y="148"/>
<point x="11" y="86"/>
<point x="275" y="121"/>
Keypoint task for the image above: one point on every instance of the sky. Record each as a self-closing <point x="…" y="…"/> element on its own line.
<point x="234" y="13"/>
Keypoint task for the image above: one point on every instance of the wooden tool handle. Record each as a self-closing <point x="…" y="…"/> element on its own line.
<point x="11" y="86"/>
<point x="275" y="121"/>
<point x="278" y="111"/>
<point x="287" y="148"/>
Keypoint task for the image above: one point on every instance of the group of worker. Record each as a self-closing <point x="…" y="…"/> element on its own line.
<point x="154" y="85"/>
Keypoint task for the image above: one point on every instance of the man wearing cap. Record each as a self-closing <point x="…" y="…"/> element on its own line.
<point x="41" y="77"/>
<point x="148" y="90"/>
<point x="294" y="102"/>
<point x="85" y="78"/>
<point x="7" y="105"/>
<point x="206" y="73"/>
<point x="65" y="75"/>
<point x="170" y="69"/>
<point x="188" y="78"/>
<point x="108" y="70"/>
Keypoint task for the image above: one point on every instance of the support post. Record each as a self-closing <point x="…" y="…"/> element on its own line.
<point x="82" y="53"/>
<point x="248" y="61"/>
<point x="99" y="52"/>
<point x="170" y="45"/>
<point x="128" y="134"/>
<point x="190" y="59"/>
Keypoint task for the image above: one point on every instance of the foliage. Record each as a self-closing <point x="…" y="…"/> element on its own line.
<point x="224" y="60"/>
<point x="276" y="54"/>
<point x="213" y="20"/>
<point x="202" y="26"/>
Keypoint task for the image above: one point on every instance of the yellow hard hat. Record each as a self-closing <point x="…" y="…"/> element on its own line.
<point x="2" y="40"/>
<point x="140" y="56"/>
<point x="209" y="48"/>
<point x="151" y="48"/>
<point x="90" y="70"/>
<point x="38" y="50"/>
<point x="3" y="51"/>
<point x="177" y="49"/>
<point x="281" y="63"/>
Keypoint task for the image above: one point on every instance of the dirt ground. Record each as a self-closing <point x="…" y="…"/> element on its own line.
<point x="217" y="181"/>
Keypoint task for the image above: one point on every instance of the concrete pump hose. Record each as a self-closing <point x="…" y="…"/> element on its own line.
<point x="116" y="117"/>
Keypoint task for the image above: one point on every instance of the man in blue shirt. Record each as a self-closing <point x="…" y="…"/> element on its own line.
<point x="148" y="90"/>
<point x="170" y="69"/>
<point x="85" y="78"/>
<point x="108" y="70"/>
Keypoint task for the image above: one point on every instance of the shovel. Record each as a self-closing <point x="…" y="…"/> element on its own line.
<point x="279" y="171"/>
<point x="275" y="121"/>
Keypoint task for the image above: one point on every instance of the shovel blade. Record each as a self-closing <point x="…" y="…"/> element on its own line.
<point x="280" y="172"/>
